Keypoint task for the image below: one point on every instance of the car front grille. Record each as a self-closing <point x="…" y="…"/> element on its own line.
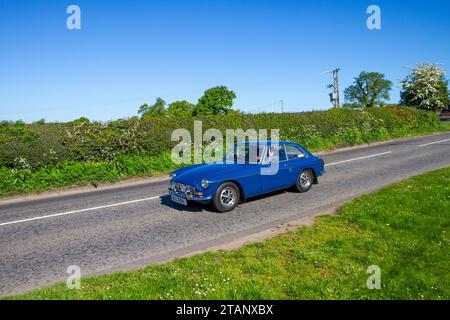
<point x="181" y="188"/>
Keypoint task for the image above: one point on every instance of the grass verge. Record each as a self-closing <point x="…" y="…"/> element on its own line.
<point x="444" y="126"/>
<point x="404" y="229"/>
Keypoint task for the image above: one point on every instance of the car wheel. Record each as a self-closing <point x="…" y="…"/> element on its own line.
<point x="304" y="181"/>
<point x="226" y="197"/>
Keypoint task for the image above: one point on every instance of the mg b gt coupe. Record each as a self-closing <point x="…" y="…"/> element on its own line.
<point x="249" y="169"/>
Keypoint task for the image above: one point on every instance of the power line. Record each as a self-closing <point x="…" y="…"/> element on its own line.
<point x="279" y="102"/>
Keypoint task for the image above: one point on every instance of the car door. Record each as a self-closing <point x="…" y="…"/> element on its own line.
<point x="247" y="173"/>
<point x="297" y="159"/>
<point x="276" y="172"/>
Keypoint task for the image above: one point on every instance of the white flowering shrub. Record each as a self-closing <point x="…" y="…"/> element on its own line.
<point x="425" y="87"/>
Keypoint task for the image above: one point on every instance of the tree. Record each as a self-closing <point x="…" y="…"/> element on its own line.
<point x="425" y="87"/>
<point x="157" y="108"/>
<point x="368" y="90"/>
<point x="180" y="108"/>
<point x="217" y="100"/>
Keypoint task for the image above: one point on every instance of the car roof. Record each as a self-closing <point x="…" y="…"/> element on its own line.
<point x="267" y="142"/>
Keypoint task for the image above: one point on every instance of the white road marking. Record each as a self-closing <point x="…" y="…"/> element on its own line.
<point x="435" y="142"/>
<point x="356" y="159"/>
<point x="78" y="211"/>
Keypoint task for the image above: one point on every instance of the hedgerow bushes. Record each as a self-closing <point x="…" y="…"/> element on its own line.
<point x="81" y="173"/>
<point x="44" y="155"/>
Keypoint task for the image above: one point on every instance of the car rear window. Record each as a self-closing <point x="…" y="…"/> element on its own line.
<point x="293" y="152"/>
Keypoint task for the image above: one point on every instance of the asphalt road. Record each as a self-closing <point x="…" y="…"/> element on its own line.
<point x="129" y="227"/>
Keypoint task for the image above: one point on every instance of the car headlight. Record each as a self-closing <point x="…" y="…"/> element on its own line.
<point x="172" y="175"/>
<point x="204" y="183"/>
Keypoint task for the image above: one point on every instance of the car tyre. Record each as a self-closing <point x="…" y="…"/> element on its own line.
<point x="304" y="181"/>
<point x="227" y="197"/>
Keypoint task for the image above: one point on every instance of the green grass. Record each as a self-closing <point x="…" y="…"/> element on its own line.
<point x="77" y="173"/>
<point x="404" y="229"/>
<point x="444" y="126"/>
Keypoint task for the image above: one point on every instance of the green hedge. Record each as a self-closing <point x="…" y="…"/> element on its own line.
<point x="41" y="144"/>
<point x="41" y="156"/>
<point x="81" y="173"/>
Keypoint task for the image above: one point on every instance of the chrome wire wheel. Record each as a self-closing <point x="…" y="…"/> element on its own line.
<point x="305" y="180"/>
<point x="228" y="197"/>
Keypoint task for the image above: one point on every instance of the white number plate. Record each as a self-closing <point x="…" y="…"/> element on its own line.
<point x="179" y="200"/>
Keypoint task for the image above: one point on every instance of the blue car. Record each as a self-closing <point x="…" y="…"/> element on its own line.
<point x="249" y="169"/>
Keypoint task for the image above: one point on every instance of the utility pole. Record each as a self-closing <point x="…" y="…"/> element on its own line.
<point x="282" y="106"/>
<point x="336" y="87"/>
<point x="334" y="96"/>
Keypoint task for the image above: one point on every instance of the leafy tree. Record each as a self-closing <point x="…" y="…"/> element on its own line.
<point x="81" y="120"/>
<point x="215" y="100"/>
<point x="425" y="87"/>
<point x="368" y="90"/>
<point x="157" y="108"/>
<point x="180" y="108"/>
<point x="40" y="121"/>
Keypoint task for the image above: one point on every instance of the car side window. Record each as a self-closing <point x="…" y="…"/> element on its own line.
<point x="276" y="154"/>
<point x="293" y="152"/>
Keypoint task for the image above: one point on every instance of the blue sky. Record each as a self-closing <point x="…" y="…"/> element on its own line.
<point x="130" y="52"/>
